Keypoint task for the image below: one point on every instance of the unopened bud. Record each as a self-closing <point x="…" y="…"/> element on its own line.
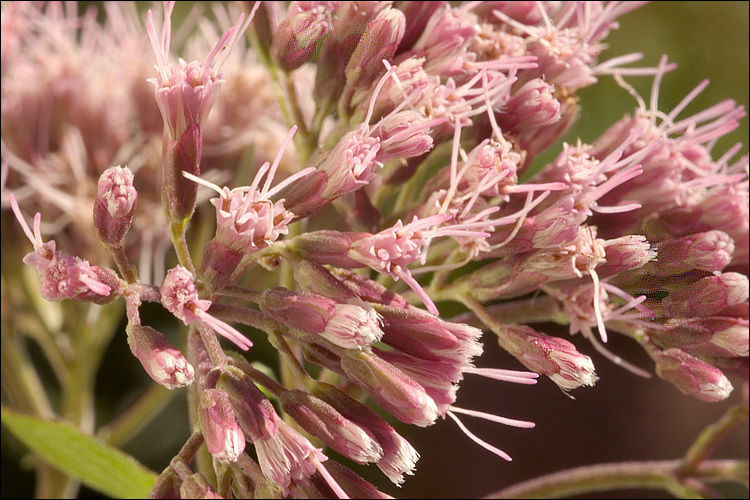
<point x="114" y="205"/>
<point x="296" y="38"/>
<point x="547" y="355"/>
<point x="379" y="41"/>
<point x="253" y="410"/>
<point x="709" y="251"/>
<point x="692" y="376"/>
<point x="707" y="296"/>
<point x="323" y="421"/>
<point x="351" y="325"/>
<point x="165" y="364"/>
<point x="391" y="388"/>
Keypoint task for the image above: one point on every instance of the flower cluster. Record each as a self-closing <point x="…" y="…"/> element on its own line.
<point x="403" y="179"/>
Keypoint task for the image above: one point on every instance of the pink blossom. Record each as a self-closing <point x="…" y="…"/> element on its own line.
<point x="179" y="296"/>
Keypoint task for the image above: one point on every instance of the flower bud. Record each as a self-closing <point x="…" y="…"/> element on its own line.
<point x="295" y="40"/>
<point x="708" y="251"/>
<point x="552" y="356"/>
<point x="399" y="457"/>
<point x="114" y="205"/>
<point x="223" y="435"/>
<point x="323" y="421"/>
<point x="707" y="296"/>
<point x="692" y="376"/>
<point x="390" y="387"/>
<point x="379" y="41"/>
<point x="352" y="325"/>
<point x="165" y="364"/>
<point x="253" y="410"/>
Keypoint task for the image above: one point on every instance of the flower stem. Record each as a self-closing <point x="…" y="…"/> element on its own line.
<point x="625" y="475"/>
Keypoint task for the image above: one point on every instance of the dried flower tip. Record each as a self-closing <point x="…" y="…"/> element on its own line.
<point x="179" y="296"/>
<point x="223" y="435"/>
<point x="114" y="205"/>
<point x="165" y="364"/>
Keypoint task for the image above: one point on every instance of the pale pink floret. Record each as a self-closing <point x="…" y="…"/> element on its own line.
<point x="180" y="296"/>
<point x="247" y="220"/>
<point x="187" y="92"/>
<point x="62" y="276"/>
<point x="391" y="250"/>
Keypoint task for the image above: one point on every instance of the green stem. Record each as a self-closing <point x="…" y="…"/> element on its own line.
<point x="710" y="437"/>
<point x="127" y="270"/>
<point x="625" y="475"/>
<point x="177" y="233"/>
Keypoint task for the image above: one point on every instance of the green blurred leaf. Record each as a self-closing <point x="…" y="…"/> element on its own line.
<point x="97" y="465"/>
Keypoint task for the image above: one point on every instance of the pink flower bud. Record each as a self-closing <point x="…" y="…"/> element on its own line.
<point x="552" y="356"/>
<point x="530" y="108"/>
<point x="444" y="41"/>
<point x="404" y="135"/>
<point x="625" y="253"/>
<point x="707" y="296"/>
<point x="708" y="251"/>
<point x="165" y="364"/>
<point x="351" y="163"/>
<point x="296" y="38"/>
<point x="323" y="421"/>
<point x="114" y="205"/>
<point x="223" y="435"/>
<point x="390" y="387"/>
<point x="692" y="376"/>
<point x="379" y="41"/>
<point x="716" y="336"/>
<point x="254" y="412"/>
<point x="351" y="325"/>
<point x="399" y="457"/>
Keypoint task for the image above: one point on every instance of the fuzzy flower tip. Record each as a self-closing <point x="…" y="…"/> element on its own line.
<point x="180" y="296"/>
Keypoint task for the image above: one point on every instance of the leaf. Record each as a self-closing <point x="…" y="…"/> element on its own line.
<point x="94" y="463"/>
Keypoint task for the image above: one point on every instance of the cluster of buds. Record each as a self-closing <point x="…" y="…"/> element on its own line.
<point x="403" y="163"/>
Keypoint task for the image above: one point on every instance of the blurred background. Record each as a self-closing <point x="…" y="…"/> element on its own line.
<point x="622" y="418"/>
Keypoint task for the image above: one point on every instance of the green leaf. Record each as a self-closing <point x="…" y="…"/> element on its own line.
<point x="94" y="463"/>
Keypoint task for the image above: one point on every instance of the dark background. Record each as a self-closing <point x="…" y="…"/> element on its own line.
<point x="623" y="417"/>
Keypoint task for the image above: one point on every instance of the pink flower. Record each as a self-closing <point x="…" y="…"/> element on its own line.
<point x="165" y="364"/>
<point x="187" y="92"/>
<point x="180" y="297"/>
<point x="246" y="218"/>
<point x="63" y="276"/>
